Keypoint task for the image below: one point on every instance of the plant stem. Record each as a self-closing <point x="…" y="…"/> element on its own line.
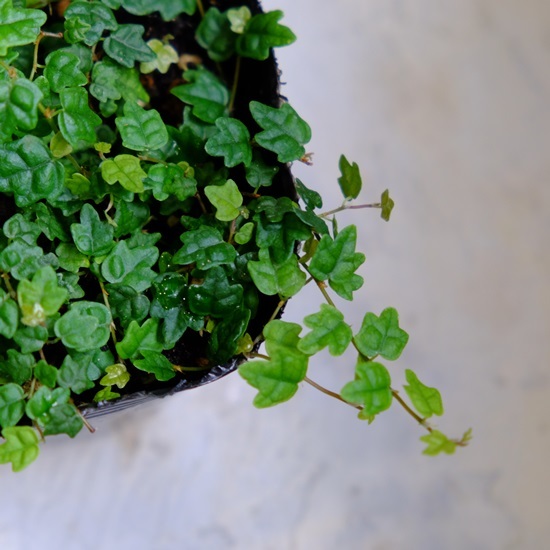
<point x="349" y="207"/>
<point x="7" y="282"/>
<point x="235" y="83"/>
<point x="91" y="429"/>
<point x="331" y="393"/>
<point x="112" y="326"/>
<point x="273" y="316"/>
<point x="201" y="7"/>
<point x="418" y="418"/>
<point x="258" y="356"/>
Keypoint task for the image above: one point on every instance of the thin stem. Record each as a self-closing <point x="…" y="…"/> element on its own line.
<point x="7" y="282"/>
<point x="418" y="418"/>
<point x="273" y="316"/>
<point x="331" y="393"/>
<point x="201" y="7"/>
<point x="112" y="326"/>
<point x="235" y="83"/>
<point x="349" y="207"/>
<point x="258" y="356"/>
<point x="91" y="429"/>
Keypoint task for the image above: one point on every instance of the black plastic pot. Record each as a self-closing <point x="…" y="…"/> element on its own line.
<point x="259" y="81"/>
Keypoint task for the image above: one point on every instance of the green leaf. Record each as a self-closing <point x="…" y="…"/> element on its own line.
<point x="29" y="171"/>
<point x="9" y="315"/>
<point x="59" y="146"/>
<point x="127" y="304"/>
<point x="427" y="401"/>
<point x="157" y="364"/>
<point x="329" y="330"/>
<point x="126" y="45"/>
<point x="85" y="326"/>
<point x="285" y="133"/>
<point x="116" y="375"/>
<point x="232" y="141"/>
<point x="140" y="339"/>
<point x="226" y="335"/>
<point x="126" y="170"/>
<point x="387" y="205"/>
<point x="18" y="26"/>
<point x="438" y="443"/>
<point x="95" y="14"/>
<point x="91" y="236"/>
<point x="70" y="258"/>
<point x="205" y="92"/>
<point x="205" y="247"/>
<point x="21" y="445"/>
<point x="215" y="36"/>
<point x="106" y="394"/>
<point x="40" y="298"/>
<point x="277" y="379"/>
<point x="168" y="9"/>
<point x="30" y="339"/>
<point x="270" y="277"/>
<point x="76" y="30"/>
<point x="62" y="70"/>
<point x="259" y="173"/>
<point x="263" y="32"/>
<point x="17" y="368"/>
<point x="371" y="387"/>
<point x="170" y="180"/>
<point x="74" y="375"/>
<point x="165" y="56"/>
<point x="77" y="121"/>
<point x="141" y="130"/>
<point x="130" y="266"/>
<point x="19" y="105"/>
<point x="12" y="404"/>
<point x="216" y="296"/>
<point x="336" y="260"/>
<point x="381" y="335"/>
<point x="238" y="17"/>
<point x="350" y="180"/>
<point x="311" y="198"/>
<point x="226" y="199"/>
<point x="46" y="374"/>
<point x="244" y="234"/>
<point x="20" y="227"/>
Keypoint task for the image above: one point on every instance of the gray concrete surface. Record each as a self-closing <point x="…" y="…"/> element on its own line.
<point x="446" y="103"/>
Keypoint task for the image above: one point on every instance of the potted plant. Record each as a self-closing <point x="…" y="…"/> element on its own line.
<point x="151" y="231"/>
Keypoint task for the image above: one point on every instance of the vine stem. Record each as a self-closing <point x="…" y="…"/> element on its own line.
<point x="90" y="428"/>
<point x="7" y="282"/>
<point x="235" y="83"/>
<point x="418" y="418"/>
<point x="349" y="207"/>
<point x="273" y="316"/>
<point x="112" y="326"/>
<point x="201" y="7"/>
<point x="331" y="393"/>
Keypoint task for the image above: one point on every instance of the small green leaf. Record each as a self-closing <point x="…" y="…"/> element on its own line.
<point x="226" y="335"/>
<point x="126" y="45"/>
<point x="244" y="234"/>
<point x="226" y="199"/>
<point x="21" y="445"/>
<point x="336" y="260"/>
<point x="76" y="30"/>
<point x="46" y="374"/>
<point x="205" y="247"/>
<point x="12" y="404"/>
<point x="165" y="54"/>
<point x="170" y="180"/>
<point x="232" y="141"/>
<point x="141" y="130"/>
<point x="74" y="375"/>
<point x="127" y="304"/>
<point x="285" y="133"/>
<point x="77" y="121"/>
<point x="91" y="236"/>
<point x="277" y="379"/>
<point x="70" y="258"/>
<point x="106" y="394"/>
<point x="259" y="173"/>
<point x="30" y="339"/>
<point x="40" y="298"/>
<point x="140" y="339"/>
<point x="329" y="329"/>
<point x="270" y="277"/>
<point x="427" y="401"/>
<point x="95" y="14"/>
<point x="59" y="146"/>
<point x="239" y="17"/>
<point x="205" y="92"/>
<point x="350" y="180"/>
<point x="126" y="170"/>
<point x="157" y="364"/>
<point x="19" y="101"/>
<point x="18" y="26"/>
<point x="311" y="198"/>
<point x="263" y="32"/>
<point x="438" y="443"/>
<point x="116" y="375"/>
<point x="371" y="388"/>
<point x="381" y="335"/>
<point x="387" y="205"/>
<point x="9" y="315"/>
<point x="215" y="36"/>
<point x="63" y="70"/>
<point x="18" y="367"/>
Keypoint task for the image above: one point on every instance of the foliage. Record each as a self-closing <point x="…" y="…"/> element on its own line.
<point x="126" y="231"/>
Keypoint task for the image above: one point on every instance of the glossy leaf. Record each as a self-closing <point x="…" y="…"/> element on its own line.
<point x="259" y="173"/>
<point x="116" y="375"/>
<point x="21" y="445"/>
<point x="126" y="45"/>
<point x="92" y="236"/>
<point x="12" y="404"/>
<point x="73" y="375"/>
<point x="77" y="121"/>
<point x="165" y="57"/>
<point x="46" y="374"/>
<point x="170" y="180"/>
<point x="18" y="26"/>
<point x="127" y="304"/>
<point x="63" y="70"/>
<point x="214" y="34"/>
<point x="263" y="32"/>
<point x="277" y="379"/>
<point x="168" y="9"/>
<point x="285" y="279"/>
<point x="18" y="367"/>
<point x="232" y="141"/>
<point x="157" y="364"/>
<point x="19" y="105"/>
<point x="350" y="179"/>
<point x="371" y="387"/>
<point x="126" y="170"/>
<point x="336" y="260"/>
<point x="226" y="335"/>
<point x="139" y="339"/>
<point x="28" y="169"/>
<point x="329" y="330"/>
<point x="70" y="258"/>
<point x="9" y="315"/>
<point x="205" y="92"/>
<point x="141" y="130"/>
<point x="205" y="247"/>
<point x="284" y="132"/>
<point x="226" y="199"/>
<point x="311" y="198"/>
<point x="95" y="14"/>
<point x="427" y="401"/>
<point x="238" y="17"/>
<point x="381" y="335"/>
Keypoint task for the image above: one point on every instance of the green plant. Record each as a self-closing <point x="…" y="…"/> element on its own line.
<point x="126" y="232"/>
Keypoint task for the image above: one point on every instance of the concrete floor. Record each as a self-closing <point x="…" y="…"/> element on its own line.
<point x="446" y="103"/>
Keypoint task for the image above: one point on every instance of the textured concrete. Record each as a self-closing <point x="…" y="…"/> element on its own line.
<point x="446" y="103"/>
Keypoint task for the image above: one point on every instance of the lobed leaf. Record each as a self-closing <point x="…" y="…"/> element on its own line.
<point x="20" y="446"/>
<point x="427" y="401"/>
<point x="226" y="199"/>
<point x="232" y="141"/>
<point x="141" y="130"/>
<point x="350" y="180"/>
<point x="126" y="45"/>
